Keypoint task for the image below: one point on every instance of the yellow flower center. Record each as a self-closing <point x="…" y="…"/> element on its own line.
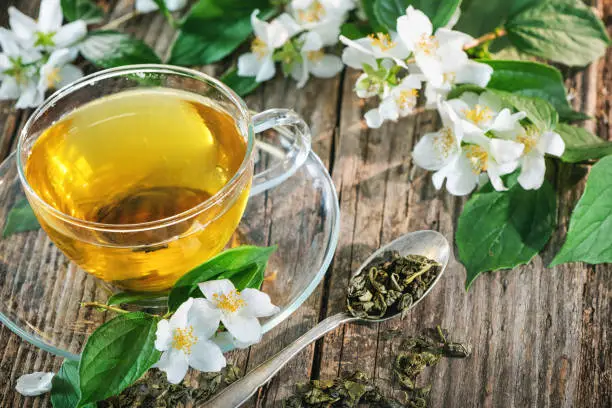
<point x="407" y="98"/>
<point x="259" y="48"/>
<point x="312" y="14"/>
<point x="315" y="56"/>
<point x="184" y="339"/>
<point x="230" y="302"/>
<point x="529" y="139"/>
<point x="477" y="157"/>
<point x="478" y="114"/>
<point x="449" y="78"/>
<point x="53" y="77"/>
<point x="382" y="41"/>
<point x="444" y="141"/>
<point x="427" y="44"/>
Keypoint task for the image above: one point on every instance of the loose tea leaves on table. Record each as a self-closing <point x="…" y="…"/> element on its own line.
<point x="390" y="284"/>
<point x="154" y="391"/>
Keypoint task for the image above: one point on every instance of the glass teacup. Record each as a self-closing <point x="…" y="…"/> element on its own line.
<point x="141" y="173"/>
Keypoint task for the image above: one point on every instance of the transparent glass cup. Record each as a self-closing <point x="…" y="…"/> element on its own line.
<point x="152" y="255"/>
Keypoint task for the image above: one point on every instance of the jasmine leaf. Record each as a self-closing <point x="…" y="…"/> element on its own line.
<point x="86" y="10"/>
<point x="231" y="264"/>
<point x="438" y="11"/>
<point x="529" y="78"/>
<point x="540" y="112"/>
<point x="564" y="31"/>
<point x="65" y="386"/>
<point x="241" y="85"/>
<point x="215" y="28"/>
<point x="116" y="355"/>
<point x="108" y="49"/>
<point x="354" y="31"/>
<point x="20" y="218"/>
<point x="374" y="23"/>
<point x="588" y="238"/>
<point x="133" y="297"/>
<point x="581" y="145"/>
<point x="503" y="229"/>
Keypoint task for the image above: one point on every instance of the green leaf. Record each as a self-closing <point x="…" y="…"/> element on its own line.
<point x="118" y="353"/>
<point x="65" y="386"/>
<point x="479" y="17"/>
<point x="240" y="84"/>
<point x="20" y="218"/>
<point x="375" y="24"/>
<point x="133" y="297"/>
<point x="354" y="31"/>
<point x="86" y="10"/>
<point x="532" y="79"/>
<point x="540" y="112"/>
<point x="581" y="145"/>
<point x="590" y="229"/>
<point x="503" y="229"/>
<point x="223" y="266"/>
<point x="251" y="277"/>
<point x="215" y="28"/>
<point x="564" y="31"/>
<point x="438" y="11"/>
<point x="108" y="49"/>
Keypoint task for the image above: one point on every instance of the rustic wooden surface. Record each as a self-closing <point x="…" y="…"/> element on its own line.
<point x="541" y="337"/>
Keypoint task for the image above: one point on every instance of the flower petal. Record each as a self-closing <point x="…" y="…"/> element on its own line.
<point x="175" y="5"/>
<point x="281" y="29"/>
<point x="388" y="109"/>
<point x="206" y="356"/>
<point x="22" y="26"/>
<point x="204" y="317"/>
<point x="326" y="67"/>
<point x="506" y="121"/>
<point x="30" y="97"/>
<point x="227" y="342"/>
<point x="50" y="16"/>
<point x="373" y="118"/>
<point x="473" y="72"/>
<point x="412" y="26"/>
<point x="163" y="335"/>
<point x="175" y="364"/>
<point x="455" y="38"/>
<point x="179" y="318"/>
<point x="551" y="143"/>
<point x="260" y="28"/>
<point x="494" y="177"/>
<point x="220" y="286"/>
<point x="430" y="154"/>
<point x="505" y="151"/>
<point x="70" y="34"/>
<point x="68" y="74"/>
<point x="245" y="329"/>
<point x="311" y="41"/>
<point x="248" y="65"/>
<point x="34" y="384"/>
<point x="8" y="42"/>
<point x="328" y="31"/>
<point x="460" y="178"/>
<point x="356" y="58"/>
<point x="145" y="6"/>
<point x="9" y="89"/>
<point x="266" y="70"/>
<point x="491" y="101"/>
<point x="258" y="304"/>
<point x="300" y="73"/>
<point x="532" y="171"/>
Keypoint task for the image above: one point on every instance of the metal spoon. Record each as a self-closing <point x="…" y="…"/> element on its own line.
<point x="431" y="244"/>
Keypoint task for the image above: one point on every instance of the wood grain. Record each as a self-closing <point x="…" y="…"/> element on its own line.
<point x="541" y="337"/>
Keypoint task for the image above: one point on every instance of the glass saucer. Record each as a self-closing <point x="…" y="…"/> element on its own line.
<point x="41" y="291"/>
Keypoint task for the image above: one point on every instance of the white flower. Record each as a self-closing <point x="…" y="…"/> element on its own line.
<point x="321" y="16"/>
<point x="34" y="384"/>
<point x="239" y="310"/>
<point x="484" y="112"/>
<point x="314" y="60"/>
<point x="185" y="340"/>
<point x="434" y="53"/>
<point x="355" y="58"/>
<point x="146" y="6"/>
<point x="399" y="102"/>
<point x="481" y="158"/>
<point x="471" y="72"/>
<point x="47" y="32"/>
<point x="268" y="37"/>
<point x="17" y="73"/>
<point x="536" y="145"/>
<point x="57" y="72"/>
<point x="379" y="45"/>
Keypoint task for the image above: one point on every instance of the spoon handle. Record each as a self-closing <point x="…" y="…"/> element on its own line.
<point x="240" y="391"/>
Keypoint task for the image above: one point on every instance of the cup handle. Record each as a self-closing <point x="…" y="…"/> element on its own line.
<point x="292" y="128"/>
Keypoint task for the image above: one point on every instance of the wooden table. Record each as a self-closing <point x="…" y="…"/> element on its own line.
<point x="541" y="337"/>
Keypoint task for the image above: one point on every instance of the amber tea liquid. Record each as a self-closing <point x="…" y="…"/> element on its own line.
<point x="139" y="157"/>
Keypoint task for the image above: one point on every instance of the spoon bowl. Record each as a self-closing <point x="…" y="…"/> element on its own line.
<point x="430" y="244"/>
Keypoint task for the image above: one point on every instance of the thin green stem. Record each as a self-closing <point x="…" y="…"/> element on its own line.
<point x="104" y="306"/>
<point x="498" y="32"/>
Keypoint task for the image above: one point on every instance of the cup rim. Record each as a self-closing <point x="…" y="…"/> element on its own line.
<point x="90" y="79"/>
